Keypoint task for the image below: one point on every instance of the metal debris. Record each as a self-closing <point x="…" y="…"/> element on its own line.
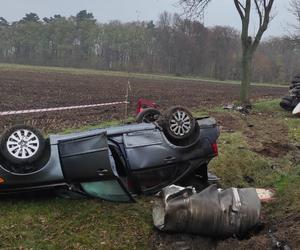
<point x="265" y="195"/>
<point x="212" y="212"/>
<point x="242" y="109"/>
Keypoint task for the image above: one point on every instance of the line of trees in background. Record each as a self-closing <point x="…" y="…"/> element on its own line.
<point x="172" y="45"/>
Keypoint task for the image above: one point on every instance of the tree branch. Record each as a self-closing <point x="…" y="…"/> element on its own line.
<point x="239" y="8"/>
<point x="259" y="12"/>
<point x="194" y="8"/>
<point x="245" y="25"/>
<point x="266" y="20"/>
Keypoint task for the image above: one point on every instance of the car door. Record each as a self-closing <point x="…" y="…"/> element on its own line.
<point x="153" y="162"/>
<point x="87" y="160"/>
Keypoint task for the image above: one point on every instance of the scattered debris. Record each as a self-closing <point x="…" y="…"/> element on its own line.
<point x="265" y="195"/>
<point x="282" y="245"/>
<point x="249" y="179"/>
<point x="213" y="212"/>
<point x="229" y="107"/>
<point x="212" y="178"/>
<point x="242" y="109"/>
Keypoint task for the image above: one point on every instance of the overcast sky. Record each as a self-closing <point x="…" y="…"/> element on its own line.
<point x="220" y="12"/>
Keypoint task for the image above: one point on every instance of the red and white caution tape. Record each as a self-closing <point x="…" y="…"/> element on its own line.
<point x="17" y="112"/>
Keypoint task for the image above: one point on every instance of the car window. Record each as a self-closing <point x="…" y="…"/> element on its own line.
<point x="110" y="190"/>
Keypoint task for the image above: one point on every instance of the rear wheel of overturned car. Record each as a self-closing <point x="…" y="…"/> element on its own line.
<point x="148" y="115"/>
<point x="179" y="126"/>
<point x="289" y="102"/>
<point x="286" y="105"/>
<point x="22" y="144"/>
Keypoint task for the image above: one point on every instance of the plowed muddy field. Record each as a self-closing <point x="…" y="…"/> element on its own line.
<point x="21" y="90"/>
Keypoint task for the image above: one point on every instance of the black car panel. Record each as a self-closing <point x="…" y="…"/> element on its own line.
<point x="142" y="138"/>
<point x="152" y="144"/>
<point x="152" y="179"/>
<point x="85" y="158"/>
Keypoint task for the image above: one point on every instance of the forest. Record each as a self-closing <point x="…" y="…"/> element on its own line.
<point x="169" y="45"/>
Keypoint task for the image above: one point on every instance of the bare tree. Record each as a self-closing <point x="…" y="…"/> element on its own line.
<point x="194" y="8"/>
<point x="295" y="10"/>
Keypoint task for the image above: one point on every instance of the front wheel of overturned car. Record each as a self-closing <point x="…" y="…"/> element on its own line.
<point x="22" y="144"/>
<point x="179" y="126"/>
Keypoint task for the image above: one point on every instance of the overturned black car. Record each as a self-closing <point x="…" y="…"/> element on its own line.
<point x="112" y="163"/>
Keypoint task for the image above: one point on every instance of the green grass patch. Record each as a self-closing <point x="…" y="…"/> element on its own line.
<point x="272" y="106"/>
<point x="288" y="194"/>
<point x="236" y="162"/>
<point x="236" y="159"/>
<point x="294" y="128"/>
<point x="208" y="111"/>
<point x="54" y="223"/>
<point x="268" y="106"/>
<point x="285" y="181"/>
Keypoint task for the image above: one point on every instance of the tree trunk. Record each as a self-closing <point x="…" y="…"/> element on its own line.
<point x="246" y="76"/>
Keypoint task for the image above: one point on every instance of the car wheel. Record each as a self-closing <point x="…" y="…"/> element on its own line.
<point x="22" y="144"/>
<point x="286" y="105"/>
<point x="179" y="126"/>
<point x="148" y="115"/>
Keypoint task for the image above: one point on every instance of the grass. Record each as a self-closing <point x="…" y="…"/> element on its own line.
<point x="294" y="125"/>
<point x="288" y="193"/>
<point x="237" y="161"/>
<point x="271" y="106"/>
<point x="56" y="223"/>
<point x="268" y="106"/>
<point x="13" y="67"/>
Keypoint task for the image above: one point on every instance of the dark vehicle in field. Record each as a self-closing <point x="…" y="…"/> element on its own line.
<point x="112" y="163"/>
<point x="290" y="101"/>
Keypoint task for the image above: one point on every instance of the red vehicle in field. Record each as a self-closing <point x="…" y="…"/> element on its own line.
<point x="147" y="111"/>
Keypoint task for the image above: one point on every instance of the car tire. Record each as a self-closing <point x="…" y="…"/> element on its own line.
<point x="289" y="102"/>
<point x="148" y="115"/>
<point x="286" y="105"/>
<point x="22" y="144"/>
<point x="179" y="126"/>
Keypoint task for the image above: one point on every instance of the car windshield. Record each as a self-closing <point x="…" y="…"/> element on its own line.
<point x="110" y="190"/>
